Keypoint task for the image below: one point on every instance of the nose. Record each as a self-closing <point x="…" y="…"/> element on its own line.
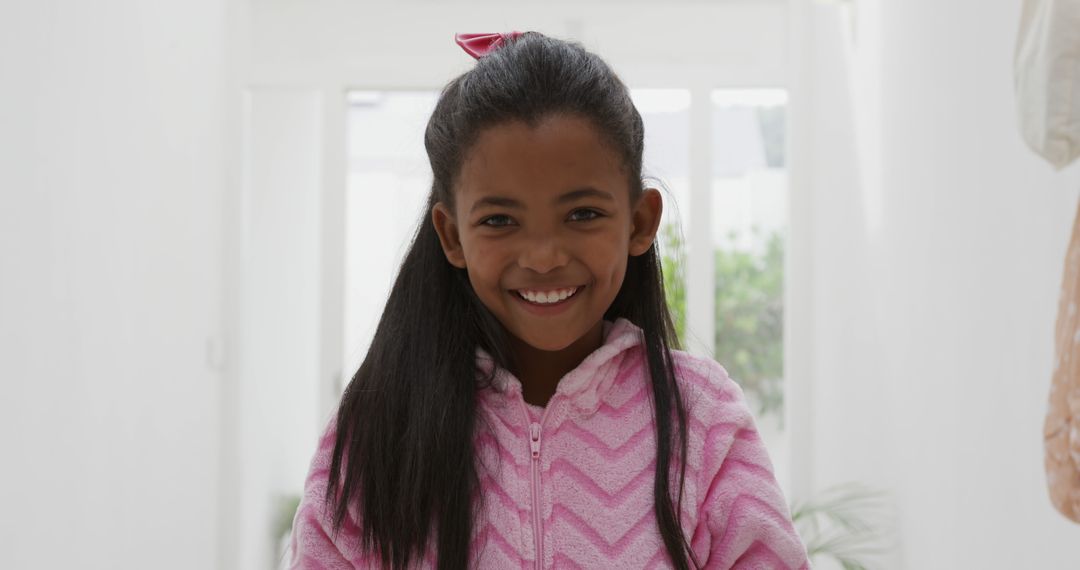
<point x="543" y="254"/>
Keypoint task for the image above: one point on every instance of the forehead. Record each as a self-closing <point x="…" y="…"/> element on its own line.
<point x="560" y="153"/>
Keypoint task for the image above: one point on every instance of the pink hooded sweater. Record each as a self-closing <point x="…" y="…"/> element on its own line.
<point x="570" y="485"/>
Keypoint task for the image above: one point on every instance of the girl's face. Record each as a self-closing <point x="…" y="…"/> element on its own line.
<point x="543" y="223"/>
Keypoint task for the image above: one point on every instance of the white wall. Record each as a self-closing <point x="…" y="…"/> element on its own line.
<point x="112" y="176"/>
<point x="276" y="411"/>
<point x="937" y="242"/>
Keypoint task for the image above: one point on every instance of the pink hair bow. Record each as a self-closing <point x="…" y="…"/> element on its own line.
<point x="479" y="45"/>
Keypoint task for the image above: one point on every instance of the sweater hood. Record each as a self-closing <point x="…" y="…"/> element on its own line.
<point x="585" y="385"/>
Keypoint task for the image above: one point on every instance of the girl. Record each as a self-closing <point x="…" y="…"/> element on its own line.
<point x="523" y="403"/>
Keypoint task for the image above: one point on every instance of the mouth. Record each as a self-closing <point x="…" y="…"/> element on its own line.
<point x="547" y="297"/>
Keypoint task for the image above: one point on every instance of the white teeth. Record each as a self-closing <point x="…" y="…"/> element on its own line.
<point x="548" y="297"/>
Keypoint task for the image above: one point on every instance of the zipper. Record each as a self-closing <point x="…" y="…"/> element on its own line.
<point x="534" y="450"/>
<point x="538" y="533"/>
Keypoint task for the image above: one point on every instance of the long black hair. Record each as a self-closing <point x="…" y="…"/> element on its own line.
<point x="406" y="421"/>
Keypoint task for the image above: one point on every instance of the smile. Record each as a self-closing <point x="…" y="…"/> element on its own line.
<point x="547" y="297"/>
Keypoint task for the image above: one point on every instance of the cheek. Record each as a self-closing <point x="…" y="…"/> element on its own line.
<point x="606" y="257"/>
<point x="483" y="262"/>
<point x="618" y="273"/>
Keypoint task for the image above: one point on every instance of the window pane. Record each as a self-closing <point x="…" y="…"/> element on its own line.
<point x="749" y="225"/>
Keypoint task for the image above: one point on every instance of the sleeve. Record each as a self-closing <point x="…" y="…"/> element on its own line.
<point x="310" y="545"/>
<point x="744" y="509"/>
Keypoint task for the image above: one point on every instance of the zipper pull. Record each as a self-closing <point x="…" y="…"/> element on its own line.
<point x="535" y="432"/>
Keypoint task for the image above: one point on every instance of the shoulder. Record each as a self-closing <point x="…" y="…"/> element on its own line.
<point x="702" y="377"/>
<point x="715" y="403"/>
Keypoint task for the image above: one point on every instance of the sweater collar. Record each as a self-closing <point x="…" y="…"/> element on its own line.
<point x="586" y="384"/>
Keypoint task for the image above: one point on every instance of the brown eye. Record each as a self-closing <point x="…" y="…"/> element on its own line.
<point x="497" y="221"/>
<point x="584" y="215"/>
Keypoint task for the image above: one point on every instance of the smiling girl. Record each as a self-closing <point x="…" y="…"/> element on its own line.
<point x="523" y="403"/>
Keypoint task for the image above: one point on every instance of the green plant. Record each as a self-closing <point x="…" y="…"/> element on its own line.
<point x="749" y="311"/>
<point x="750" y="317"/>
<point x="839" y="524"/>
<point x="671" y="260"/>
<point x="285" y="507"/>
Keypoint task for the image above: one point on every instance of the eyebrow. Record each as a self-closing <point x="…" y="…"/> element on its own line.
<point x="571" y="196"/>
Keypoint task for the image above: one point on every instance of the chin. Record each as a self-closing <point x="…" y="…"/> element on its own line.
<point x="552" y="346"/>
<point x="548" y="343"/>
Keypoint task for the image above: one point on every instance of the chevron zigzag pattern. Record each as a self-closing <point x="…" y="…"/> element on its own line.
<point x="596" y="471"/>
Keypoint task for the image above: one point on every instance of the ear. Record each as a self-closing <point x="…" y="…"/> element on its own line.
<point x="646" y="220"/>
<point x="443" y="220"/>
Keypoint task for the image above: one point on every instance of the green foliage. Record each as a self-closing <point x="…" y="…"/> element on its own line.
<point x="285" y="507"/>
<point x="749" y="311"/>
<point x="750" y="318"/>
<point x="671" y="260"/>
<point x="837" y="524"/>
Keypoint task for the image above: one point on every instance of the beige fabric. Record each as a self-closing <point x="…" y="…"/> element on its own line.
<point x="1047" y="78"/>
<point x="1062" y="428"/>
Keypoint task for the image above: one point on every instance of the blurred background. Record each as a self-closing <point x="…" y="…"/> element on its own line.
<point x="203" y="203"/>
